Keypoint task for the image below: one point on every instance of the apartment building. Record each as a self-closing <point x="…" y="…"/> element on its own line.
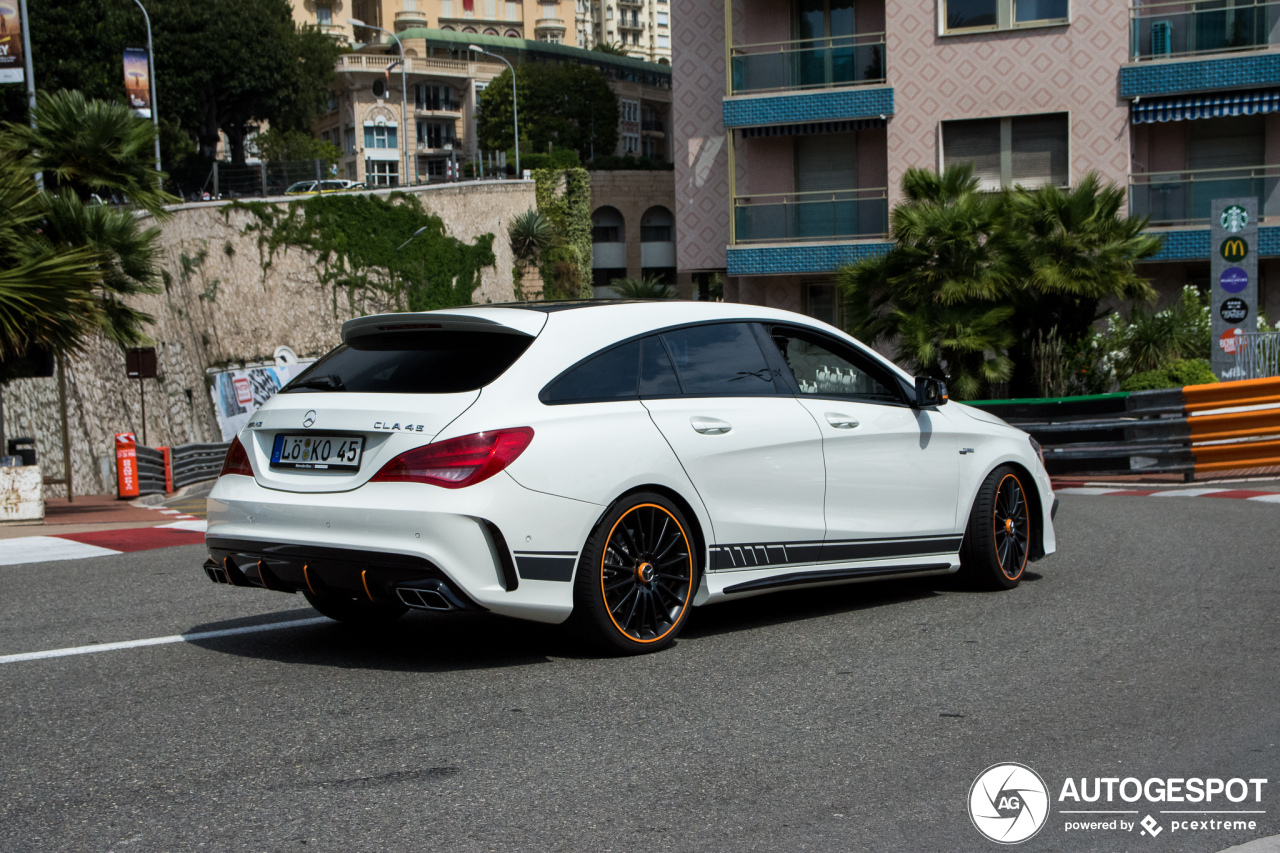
<point x="795" y="122"/>
<point x="444" y="78"/>
<point x="551" y="21"/>
<point x="641" y="27"/>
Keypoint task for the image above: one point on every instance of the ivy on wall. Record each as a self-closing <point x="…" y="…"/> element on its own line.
<point x="356" y="239"/>
<point x="564" y="197"/>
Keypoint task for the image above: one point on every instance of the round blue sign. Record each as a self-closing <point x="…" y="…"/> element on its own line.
<point x="1234" y="279"/>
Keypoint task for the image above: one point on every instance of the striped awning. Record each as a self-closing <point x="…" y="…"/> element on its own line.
<point x="1189" y="108"/>
<point x="811" y="127"/>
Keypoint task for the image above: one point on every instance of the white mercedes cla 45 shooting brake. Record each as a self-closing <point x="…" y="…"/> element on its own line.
<point x="614" y="464"/>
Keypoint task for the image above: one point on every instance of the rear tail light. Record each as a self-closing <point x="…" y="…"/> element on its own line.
<point x="237" y="461"/>
<point x="457" y="462"/>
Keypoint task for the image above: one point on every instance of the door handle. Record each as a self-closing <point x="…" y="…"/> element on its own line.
<point x="710" y="426"/>
<point x="840" y="421"/>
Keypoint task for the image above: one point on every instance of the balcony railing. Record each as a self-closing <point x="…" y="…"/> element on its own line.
<point x="809" y="64"/>
<point x="407" y="20"/>
<point x="1165" y="30"/>
<point x="826" y="215"/>
<point x="1183" y="198"/>
<point x="415" y="64"/>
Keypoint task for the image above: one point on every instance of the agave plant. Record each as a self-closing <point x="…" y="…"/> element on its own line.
<point x="531" y="234"/>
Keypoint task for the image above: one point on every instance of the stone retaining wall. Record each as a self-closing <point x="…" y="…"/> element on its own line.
<point x="221" y="307"/>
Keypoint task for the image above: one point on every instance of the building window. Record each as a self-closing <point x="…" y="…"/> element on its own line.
<point x="1028" y="151"/>
<point x="379" y="88"/>
<point x="379" y="136"/>
<point x="966" y="15"/>
<point x="324" y="14"/>
<point x="630" y="143"/>
<point x="349" y="140"/>
<point x="434" y="134"/>
<point x="822" y="302"/>
<point x="436" y="168"/>
<point x="429" y="97"/>
<point x="664" y="19"/>
<point x="382" y="173"/>
<point x="664" y="41"/>
<point x="446" y="8"/>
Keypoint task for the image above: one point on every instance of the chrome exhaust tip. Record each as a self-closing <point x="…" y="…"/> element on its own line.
<point x="429" y="595"/>
<point x="215" y="571"/>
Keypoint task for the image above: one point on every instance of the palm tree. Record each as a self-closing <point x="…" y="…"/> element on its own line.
<point x="973" y="276"/>
<point x="46" y="289"/>
<point x="93" y="148"/>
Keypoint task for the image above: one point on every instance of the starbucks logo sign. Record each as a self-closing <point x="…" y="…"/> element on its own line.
<point x="1235" y="218"/>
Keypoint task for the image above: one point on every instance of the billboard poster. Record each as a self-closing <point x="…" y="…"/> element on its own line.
<point x="238" y="392"/>
<point x="137" y="80"/>
<point x="10" y="42"/>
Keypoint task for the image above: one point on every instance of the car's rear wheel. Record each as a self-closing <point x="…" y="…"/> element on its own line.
<point x="997" y="542"/>
<point x="353" y="611"/>
<point x="637" y="576"/>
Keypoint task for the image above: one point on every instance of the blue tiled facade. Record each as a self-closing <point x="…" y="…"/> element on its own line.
<point x="1254" y="71"/>
<point x="866" y="102"/>
<point x="801" y="258"/>
<point x="1193" y="245"/>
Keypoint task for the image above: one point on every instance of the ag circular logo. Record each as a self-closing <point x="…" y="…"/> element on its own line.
<point x="1234" y="280"/>
<point x="1234" y="249"/>
<point x="309" y="418"/>
<point x="1234" y="310"/>
<point x="1234" y="218"/>
<point x="1008" y="803"/>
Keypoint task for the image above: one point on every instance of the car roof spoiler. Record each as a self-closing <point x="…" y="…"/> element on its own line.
<point x="502" y="321"/>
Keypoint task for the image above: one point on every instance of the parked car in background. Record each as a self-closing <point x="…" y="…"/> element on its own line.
<point x="325" y="186"/>
<point x="614" y="463"/>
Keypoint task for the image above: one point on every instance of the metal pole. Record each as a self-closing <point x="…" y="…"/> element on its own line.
<point x="155" y="104"/>
<point x="66" y="433"/>
<point x="404" y="97"/>
<point x="142" y="394"/>
<point x="30" y="72"/>
<point x="515" y="105"/>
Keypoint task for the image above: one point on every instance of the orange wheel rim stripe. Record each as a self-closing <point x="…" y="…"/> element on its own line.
<point x="995" y="529"/>
<point x="688" y="595"/>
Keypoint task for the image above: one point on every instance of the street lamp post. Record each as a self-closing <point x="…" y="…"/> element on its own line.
<point x="404" y="97"/>
<point x="151" y="69"/>
<point x="515" y="106"/>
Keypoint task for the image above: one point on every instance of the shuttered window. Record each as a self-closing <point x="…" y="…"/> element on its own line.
<point x="826" y="162"/>
<point x="1029" y="151"/>
<point x="1226" y="143"/>
<point x="1040" y="150"/>
<point x="976" y="142"/>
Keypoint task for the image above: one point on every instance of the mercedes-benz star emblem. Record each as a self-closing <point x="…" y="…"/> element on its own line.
<point x="309" y="418"/>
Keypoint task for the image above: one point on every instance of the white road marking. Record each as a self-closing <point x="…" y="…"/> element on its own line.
<point x="170" y="512"/>
<point x="42" y="549"/>
<point x="1187" y="493"/>
<point x="1083" y="490"/>
<point x="198" y="525"/>
<point x="160" y="641"/>
<point x="1270" y="499"/>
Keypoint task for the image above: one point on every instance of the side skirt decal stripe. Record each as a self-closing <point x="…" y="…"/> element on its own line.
<point x="770" y="554"/>
<point x="798" y="578"/>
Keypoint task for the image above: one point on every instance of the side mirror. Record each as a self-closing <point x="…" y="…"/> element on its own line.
<point x="930" y="393"/>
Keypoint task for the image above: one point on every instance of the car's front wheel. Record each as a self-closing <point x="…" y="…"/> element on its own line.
<point x="997" y="542"/>
<point x="637" y="576"/>
<point x="352" y="611"/>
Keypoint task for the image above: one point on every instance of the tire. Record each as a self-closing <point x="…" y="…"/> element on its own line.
<point x="997" y="541"/>
<point x="637" y="576"/>
<point x="353" y="611"/>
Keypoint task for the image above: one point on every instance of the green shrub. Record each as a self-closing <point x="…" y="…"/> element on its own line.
<point x="1176" y="374"/>
<point x="560" y="158"/>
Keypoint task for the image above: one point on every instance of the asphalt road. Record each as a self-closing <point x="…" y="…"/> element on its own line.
<point x="845" y="720"/>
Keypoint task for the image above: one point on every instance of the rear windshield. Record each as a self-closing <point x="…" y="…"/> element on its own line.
<point x="414" y="363"/>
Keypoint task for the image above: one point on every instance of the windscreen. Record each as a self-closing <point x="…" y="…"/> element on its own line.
<point x="417" y="362"/>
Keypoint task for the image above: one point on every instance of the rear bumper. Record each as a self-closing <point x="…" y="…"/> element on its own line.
<point x="489" y="543"/>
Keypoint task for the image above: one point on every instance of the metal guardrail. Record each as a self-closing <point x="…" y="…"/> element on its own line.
<point x="166" y="469"/>
<point x="1257" y="355"/>
<point x="1149" y="432"/>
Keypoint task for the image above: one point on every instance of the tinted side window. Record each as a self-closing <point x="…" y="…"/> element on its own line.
<point x="825" y="368"/>
<point x="719" y="360"/>
<point x="611" y="375"/>
<point x="657" y="376"/>
<point x="441" y="362"/>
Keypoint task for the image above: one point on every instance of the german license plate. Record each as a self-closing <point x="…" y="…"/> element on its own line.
<point x="318" y="452"/>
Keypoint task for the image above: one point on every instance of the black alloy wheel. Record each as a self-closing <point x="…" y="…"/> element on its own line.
<point x="997" y="541"/>
<point x="637" y="576"/>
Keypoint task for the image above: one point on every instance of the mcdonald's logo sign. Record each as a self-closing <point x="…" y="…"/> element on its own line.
<point x="1234" y="249"/>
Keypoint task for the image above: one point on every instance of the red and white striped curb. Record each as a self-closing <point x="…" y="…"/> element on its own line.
<point x="1236" y="494"/>
<point x="100" y="543"/>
